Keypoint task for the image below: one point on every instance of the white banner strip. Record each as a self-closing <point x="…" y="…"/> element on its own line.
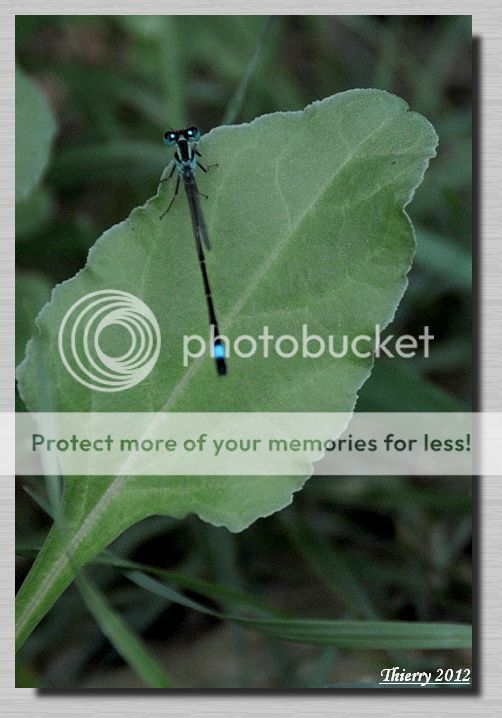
<point x="243" y="444"/>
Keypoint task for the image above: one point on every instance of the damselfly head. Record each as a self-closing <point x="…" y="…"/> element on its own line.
<point x="191" y="134"/>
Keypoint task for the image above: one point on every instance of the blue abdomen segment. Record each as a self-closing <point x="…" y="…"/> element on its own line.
<point x="219" y="357"/>
<point x="219" y="350"/>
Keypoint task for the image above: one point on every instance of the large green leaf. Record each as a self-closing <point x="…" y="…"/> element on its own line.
<point x="35" y="129"/>
<point x="306" y="215"/>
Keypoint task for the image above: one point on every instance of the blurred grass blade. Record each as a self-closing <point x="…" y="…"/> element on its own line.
<point x="431" y="76"/>
<point x="161" y="589"/>
<point x="367" y="634"/>
<point x="332" y="567"/>
<point x="237" y="599"/>
<point x="40" y="501"/>
<point x="235" y="105"/>
<point x="441" y="256"/>
<point x="35" y="130"/>
<point x="172" y="69"/>
<point x="123" y="639"/>
<point x="324" y="667"/>
<point x="32" y="292"/>
<point x="394" y="386"/>
<point x="34" y="212"/>
<point x="449" y="355"/>
<point x="342" y="634"/>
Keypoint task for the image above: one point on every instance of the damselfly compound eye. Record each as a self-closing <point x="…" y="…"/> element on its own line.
<point x="170" y="137"/>
<point x="192" y="133"/>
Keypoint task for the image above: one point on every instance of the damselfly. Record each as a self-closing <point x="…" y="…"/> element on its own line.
<point x="185" y="162"/>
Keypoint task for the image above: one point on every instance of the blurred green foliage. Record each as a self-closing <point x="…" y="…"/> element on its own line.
<point x="34" y="140"/>
<point x="387" y="548"/>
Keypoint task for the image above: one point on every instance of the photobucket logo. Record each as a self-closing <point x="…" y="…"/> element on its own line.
<point x="310" y="346"/>
<point x="80" y="340"/>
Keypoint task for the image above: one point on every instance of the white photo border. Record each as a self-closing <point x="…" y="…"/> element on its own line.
<point x="487" y="28"/>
